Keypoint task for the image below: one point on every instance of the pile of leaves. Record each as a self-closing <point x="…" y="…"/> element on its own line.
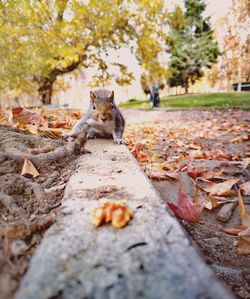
<point x="213" y="150"/>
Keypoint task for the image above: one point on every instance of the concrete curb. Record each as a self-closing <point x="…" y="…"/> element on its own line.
<point x="150" y="258"/>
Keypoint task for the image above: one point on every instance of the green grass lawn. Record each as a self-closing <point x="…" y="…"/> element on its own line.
<point x="195" y="100"/>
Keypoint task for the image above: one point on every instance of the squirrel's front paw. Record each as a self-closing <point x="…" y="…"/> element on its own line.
<point x="68" y="137"/>
<point x="120" y="141"/>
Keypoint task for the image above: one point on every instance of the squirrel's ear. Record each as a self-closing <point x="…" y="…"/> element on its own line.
<point x="92" y="96"/>
<point x="111" y="97"/>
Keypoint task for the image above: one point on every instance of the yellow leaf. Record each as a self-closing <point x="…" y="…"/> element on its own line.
<point x="154" y="157"/>
<point x="160" y="166"/>
<point x="32" y="129"/>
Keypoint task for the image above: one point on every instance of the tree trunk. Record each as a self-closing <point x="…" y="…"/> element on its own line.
<point x="239" y="76"/>
<point x="186" y="88"/>
<point x="229" y="88"/>
<point x="45" y="90"/>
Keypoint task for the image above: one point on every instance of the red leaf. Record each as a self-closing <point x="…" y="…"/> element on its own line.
<point x="186" y="209"/>
<point x="195" y="172"/>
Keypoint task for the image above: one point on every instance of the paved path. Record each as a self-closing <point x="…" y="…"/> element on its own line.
<point x="150" y="258"/>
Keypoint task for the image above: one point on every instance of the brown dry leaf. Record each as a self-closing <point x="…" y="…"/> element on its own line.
<point x="51" y="133"/>
<point x="245" y="162"/>
<point x="245" y="188"/>
<point x="244" y="242"/>
<point x="138" y="153"/>
<point x="25" y="116"/>
<point x="29" y="168"/>
<point x="43" y="150"/>
<point x="198" y="154"/>
<point x="231" y="230"/>
<point x="210" y="175"/>
<point x="17" y="230"/>
<point x="244" y="230"/>
<point x="76" y="115"/>
<point x="215" y="201"/>
<point x="162" y="175"/>
<point x="239" y="139"/>
<point x="245" y="216"/>
<point x="221" y="189"/>
<point x="2" y="117"/>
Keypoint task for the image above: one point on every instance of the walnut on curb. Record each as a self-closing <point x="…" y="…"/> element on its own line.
<point x="116" y="213"/>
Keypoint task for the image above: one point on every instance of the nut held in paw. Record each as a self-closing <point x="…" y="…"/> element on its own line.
<point x="116" y="213"/>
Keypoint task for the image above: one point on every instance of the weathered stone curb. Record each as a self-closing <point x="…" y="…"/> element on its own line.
<point x="150" y="258"/>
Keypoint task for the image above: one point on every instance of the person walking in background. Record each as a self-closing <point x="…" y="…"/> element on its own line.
<point x="154" y="96"/>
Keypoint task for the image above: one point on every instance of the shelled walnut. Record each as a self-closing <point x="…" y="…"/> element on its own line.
<point x="115" y="212"/>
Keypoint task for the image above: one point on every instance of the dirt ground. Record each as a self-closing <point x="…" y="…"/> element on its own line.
<point x="199" y="139"/>
<point x="178" y="141"/>
<point x="28" y="206"/>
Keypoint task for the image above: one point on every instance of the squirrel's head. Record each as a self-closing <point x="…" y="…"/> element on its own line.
<point x="102" y="103"/>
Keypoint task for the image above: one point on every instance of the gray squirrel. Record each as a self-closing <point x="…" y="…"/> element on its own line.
<point x="103" y="118"/>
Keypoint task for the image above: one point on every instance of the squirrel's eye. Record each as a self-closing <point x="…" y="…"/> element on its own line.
<point x="112" y="106"/>
<point x="93" y="107"/>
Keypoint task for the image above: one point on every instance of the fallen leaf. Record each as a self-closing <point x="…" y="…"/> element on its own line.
<point x="239" y="139"/>
<point x="231" y="230"/>
<point x="186" y="209"/>
<point x="221" y="189"/>
<point x="195" y="172"/>
<point x="210" y="175"/>
<point x="244" y="242"/>
<point x="196" y="145"/>
<point x="242" y="231"/>
<point x="245" y="216"/>
<point x="215" y="201"/>
<point x="32" y="129"/>
<point x="76" y="115"/>
<point x="51" y="133"/>
<point x="29" y="168"/>
<point x="160" y="166"/>
<point x="25" y="116"/>
<point x="17" y="230"/>
<point x="138" y="153"/>
<point x="245" y="162"/>
<point x="198" y="154"/>
<point x="2" y="117"/>
<point x="162" y="175"/>
<point x="245" y="188"/>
